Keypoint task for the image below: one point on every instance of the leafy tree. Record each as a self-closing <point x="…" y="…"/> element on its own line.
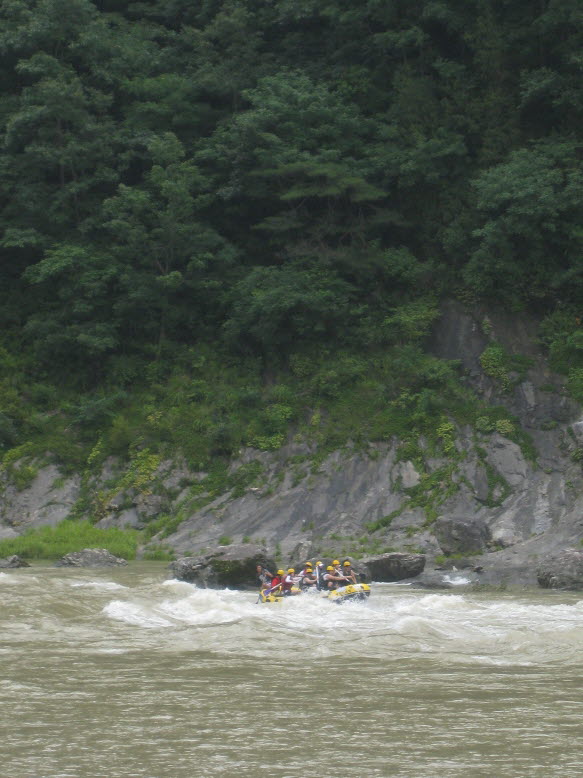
<point x="172" y="265"/>
<point x="529" y="244"/>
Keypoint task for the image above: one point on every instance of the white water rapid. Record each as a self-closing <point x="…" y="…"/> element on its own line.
<point x="118" y="673"/>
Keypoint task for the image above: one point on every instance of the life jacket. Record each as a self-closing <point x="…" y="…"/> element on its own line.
<point x="327" y="579"/>
<point x="274" y="582"/>
<point x="288" y="582"/>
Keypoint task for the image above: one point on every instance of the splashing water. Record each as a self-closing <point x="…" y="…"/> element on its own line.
<point x="123" y="673"/>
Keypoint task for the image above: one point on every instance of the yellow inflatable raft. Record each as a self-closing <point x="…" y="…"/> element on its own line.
<point x="359" y="591"/>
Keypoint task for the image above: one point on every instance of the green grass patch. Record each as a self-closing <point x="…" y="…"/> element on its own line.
<point x="68" y="536"/>
<point x="158" y="554"/>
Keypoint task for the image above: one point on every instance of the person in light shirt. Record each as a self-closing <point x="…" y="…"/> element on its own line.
<point x="288" y="582"/>
<point x="308" y="580"/>
<point x="332" y="580"/>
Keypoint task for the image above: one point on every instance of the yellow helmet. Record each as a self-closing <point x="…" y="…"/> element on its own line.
<point x="318" y="563"/>
<point x="336" y="562"/>
<point x="280" y="572"/>
<point x="347" y="563"/>
<point x="291" y="570"/>
<point x="309" y="570"/>
<point x="329" y="567"/>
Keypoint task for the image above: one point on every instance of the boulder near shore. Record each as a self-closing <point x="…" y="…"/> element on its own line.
<point x="232" y="566"/>
<point x="563" y="570"/>
<point x="91" y="557"/>
<point x="12" y="562"/>
<point x="394" y="566"/>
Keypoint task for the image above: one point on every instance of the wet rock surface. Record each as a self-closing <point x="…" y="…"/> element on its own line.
<point x="394" y="566"/>
<point x="461" y="535"/>
<point x="563" y="570"/>
<point x="510" y="503"/>
<point x="232" y="566"/>
<point x="48" y="499"/>
<point x="12" y="562"/>
<point x="90" y="557"/>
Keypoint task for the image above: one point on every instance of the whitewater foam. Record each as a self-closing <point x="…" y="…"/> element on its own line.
<point x="106" y="586"/>
<point x="138" y="615"/>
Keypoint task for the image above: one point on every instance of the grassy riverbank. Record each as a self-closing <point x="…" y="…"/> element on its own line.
<point x="68" y="536"/>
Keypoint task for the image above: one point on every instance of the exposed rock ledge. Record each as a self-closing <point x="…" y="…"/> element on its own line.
<point x="228" y="566"/>
<point x="394" y="566"/>
<point x="12" y="562"/>
<point x="562" y="571"/>
<point x="90" y="557"/>
<point x="235" y="566"/>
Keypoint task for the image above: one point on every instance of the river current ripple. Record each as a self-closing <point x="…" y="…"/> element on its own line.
<point x="115" y="673"/>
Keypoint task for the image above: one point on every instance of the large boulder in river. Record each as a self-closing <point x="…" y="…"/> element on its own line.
<point x="90" y="557"/>
<point x="562" y="571"/>
<point x="460" y="535"/>
<point x="12" y="562"/>
<point x="232" y="566"/>
<point x="395" y="566"/>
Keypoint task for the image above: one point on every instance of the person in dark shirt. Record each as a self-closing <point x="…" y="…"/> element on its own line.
<point x="264" y="577"/>
<point x="348" y="572"/>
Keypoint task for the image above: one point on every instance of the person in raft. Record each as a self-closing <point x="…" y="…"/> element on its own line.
<point x="275" y="583"/>
<point x="264" y="577"/>
<point x="288" y="582"/>
<point x="348" y="572"/>
<point x="341" y="572"/>
<point x="332" y="580"/>
<point x="319" y="572"/>
<point x="308" y="580"/>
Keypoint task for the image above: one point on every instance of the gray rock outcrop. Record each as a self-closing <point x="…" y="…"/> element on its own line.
<point x="227" y="566"/>
<point x="460" y="535"/>
<point x="562" y="571"/>
<point x="48" y="499"/>
<point x="12" y="562"/>
<point x="393" y="566"/>
<point x="511" y="491"/>
<point x="91" y="557"/>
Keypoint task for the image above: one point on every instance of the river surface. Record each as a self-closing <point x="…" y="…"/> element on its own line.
<point x="110" y="673"/>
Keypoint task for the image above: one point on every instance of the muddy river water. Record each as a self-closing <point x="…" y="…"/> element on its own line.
<point x="123" y="673"/>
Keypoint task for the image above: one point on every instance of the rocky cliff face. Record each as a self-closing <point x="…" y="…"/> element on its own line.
<point x="500" y="503"/>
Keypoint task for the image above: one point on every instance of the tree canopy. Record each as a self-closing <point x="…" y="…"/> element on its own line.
<point x="265" y="174"/>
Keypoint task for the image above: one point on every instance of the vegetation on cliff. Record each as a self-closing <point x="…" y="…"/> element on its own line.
<point x="224" y="223"/>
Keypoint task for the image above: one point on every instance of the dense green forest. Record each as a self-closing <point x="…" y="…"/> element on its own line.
<point x="227" y="221"/>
